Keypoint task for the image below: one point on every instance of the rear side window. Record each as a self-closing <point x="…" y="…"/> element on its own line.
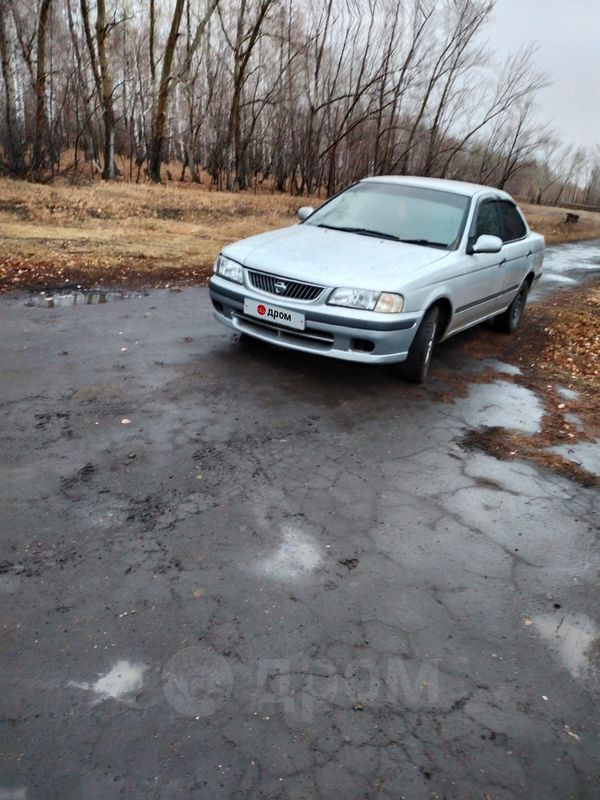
<point x="513" y="226"/>
<point x="487" y="220"/>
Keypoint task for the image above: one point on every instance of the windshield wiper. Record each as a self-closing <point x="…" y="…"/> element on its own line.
<point x="362" y="231"/>
<point x="424" y="243"/>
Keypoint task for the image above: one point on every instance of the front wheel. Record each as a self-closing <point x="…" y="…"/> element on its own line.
<point x="509" y="320"/>
<point x="416" y="366"/>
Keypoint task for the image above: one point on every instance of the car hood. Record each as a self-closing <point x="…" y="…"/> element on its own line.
<point x="333" y="258"/>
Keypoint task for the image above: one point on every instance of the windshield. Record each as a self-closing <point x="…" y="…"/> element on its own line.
<point x="412" y="214"/>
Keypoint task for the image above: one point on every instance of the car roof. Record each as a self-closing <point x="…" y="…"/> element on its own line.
<point x="441" y="184"/>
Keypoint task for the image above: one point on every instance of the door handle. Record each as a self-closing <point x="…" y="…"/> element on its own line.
<point x="529" y="254"/>
<point x="502" y="263"/>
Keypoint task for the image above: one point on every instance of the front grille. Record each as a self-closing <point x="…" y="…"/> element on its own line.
<point x="283" y="287"/>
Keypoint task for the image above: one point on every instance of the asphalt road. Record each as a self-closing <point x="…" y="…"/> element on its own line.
<point x="229" y="571"/>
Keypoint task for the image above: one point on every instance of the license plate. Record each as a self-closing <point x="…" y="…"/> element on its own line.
<point x="269" y="313"/>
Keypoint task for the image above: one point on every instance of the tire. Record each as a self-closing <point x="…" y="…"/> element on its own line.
<point x="416" y="366"/>
<point x="509" y="320"/>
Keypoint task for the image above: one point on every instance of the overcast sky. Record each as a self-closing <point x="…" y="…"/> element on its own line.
<point x="567" y="34"/>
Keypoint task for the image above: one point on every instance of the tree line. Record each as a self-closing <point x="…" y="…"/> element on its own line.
<point x="306" y="96"/>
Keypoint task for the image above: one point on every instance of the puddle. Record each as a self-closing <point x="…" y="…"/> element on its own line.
<point x="501" y="366"/>
<point x="501" y="404"/>
<point x="89" y="297"/>
<point x="572" y="257"/>
<point x="123" y="678"/>
<point x="573" y="639"/>
<point x="584" y="454"/>
<point x="566" y="265"/>
<point x="568" y="394"/>
<point x="296" y="556"/>
<point x="555" y="278"/>
<point x="575" y="421"/>
<point x="71" y="296"/>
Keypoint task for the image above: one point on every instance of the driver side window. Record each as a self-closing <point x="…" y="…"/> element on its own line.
<point x="488" y="222"/>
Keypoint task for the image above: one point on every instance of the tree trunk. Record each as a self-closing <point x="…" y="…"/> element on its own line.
<point x="102" y="81"/>
<point x="151" y="44"/>
<point x="160" y="116"/>
<point x="108" y="116"/>
<point x="37" y="161"/>
<point x="14" y="145"/>
<point x="245" y="42"/>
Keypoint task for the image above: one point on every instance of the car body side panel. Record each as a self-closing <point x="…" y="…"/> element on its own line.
<point x="472" y="284"/>
<point x="516" y="266"/>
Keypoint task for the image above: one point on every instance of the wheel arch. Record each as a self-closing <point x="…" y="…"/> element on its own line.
<point x="446" y="311"/>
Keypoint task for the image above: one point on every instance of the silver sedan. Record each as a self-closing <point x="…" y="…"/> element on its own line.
<point x="382" y="271"/>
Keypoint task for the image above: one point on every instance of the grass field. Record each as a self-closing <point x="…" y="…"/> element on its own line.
<point x="120" y="233"/>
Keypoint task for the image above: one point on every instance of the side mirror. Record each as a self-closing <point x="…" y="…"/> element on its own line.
<point x="487" y="244"/>
<point x="304" y="212"/>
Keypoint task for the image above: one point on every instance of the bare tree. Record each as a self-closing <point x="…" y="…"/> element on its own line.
<point x="249" y="21"/>
<point x="13" y="133"/>
<point x="304" y="97"/>
<point x="37" y="159"/>
<point x="160" y="114"/>
<point x="569" y="171"/>
<point x="102" y="81"/>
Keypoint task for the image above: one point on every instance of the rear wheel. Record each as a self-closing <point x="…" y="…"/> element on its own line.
<point x="509" y="320"/>
<point x="416" y="366"/>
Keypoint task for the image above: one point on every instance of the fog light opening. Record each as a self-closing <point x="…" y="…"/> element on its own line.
<point x="362" y="345"/>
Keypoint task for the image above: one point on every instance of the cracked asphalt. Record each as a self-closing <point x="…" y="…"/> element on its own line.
<point x="230" y="571"/>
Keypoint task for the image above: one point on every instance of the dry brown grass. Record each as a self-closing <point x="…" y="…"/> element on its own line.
<point x="550" y="221"/>
<point x="115" y="231"/>
<point x="559" y="338"/>
<point x="152" y="235"/>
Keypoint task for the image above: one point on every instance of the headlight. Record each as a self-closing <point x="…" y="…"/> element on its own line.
<point x="229" y="269"/>
<point x="384" y="302"/>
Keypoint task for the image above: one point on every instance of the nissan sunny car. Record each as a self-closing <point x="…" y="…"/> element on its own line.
<point x="382" y="271"/>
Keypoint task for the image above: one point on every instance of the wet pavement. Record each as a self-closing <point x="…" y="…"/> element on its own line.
<point x="230" y="571"/>
<point x="566" y="265"/>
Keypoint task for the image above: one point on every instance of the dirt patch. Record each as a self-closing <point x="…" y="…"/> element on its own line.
<point x="507" y="445"/>
<point x="40" y="275"/>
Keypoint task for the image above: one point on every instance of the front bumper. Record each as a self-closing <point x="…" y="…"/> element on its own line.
<point x="329" y="331"/>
